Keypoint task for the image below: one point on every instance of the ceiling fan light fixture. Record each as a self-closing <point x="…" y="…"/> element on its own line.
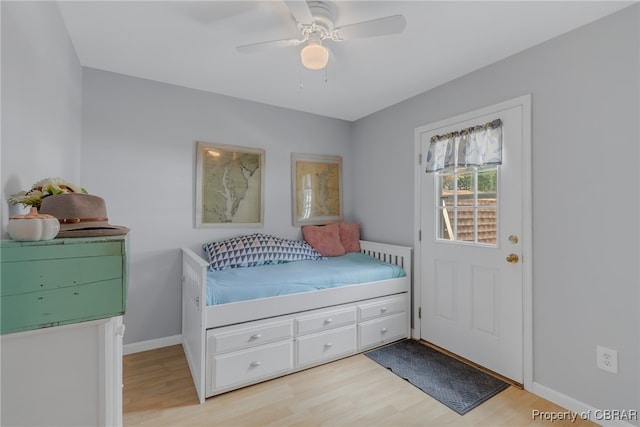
<point x="314" y="56"/>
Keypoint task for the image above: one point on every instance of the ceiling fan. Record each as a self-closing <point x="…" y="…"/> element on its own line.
<point x="315" y="20"/>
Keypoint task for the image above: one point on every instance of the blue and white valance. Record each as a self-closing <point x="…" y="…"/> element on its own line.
<point x="474" y="146"/>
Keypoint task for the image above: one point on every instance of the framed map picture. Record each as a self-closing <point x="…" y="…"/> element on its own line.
<point x="229" y="185"/>
<point x="316" y="189"/>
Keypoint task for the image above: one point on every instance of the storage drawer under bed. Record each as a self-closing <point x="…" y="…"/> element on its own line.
<point x="383" y="307"/>
<point x="382" y="331"/>
<point x="325" y="320"/>
<point x="221" y="340"/>
<point x="326" y="346"/>
<point x="249" y="366"/>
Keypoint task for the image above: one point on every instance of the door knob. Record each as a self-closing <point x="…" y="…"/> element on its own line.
<point x="513" y="258"/>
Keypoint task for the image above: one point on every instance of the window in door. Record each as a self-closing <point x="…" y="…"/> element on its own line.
<point x="467" y="204"/>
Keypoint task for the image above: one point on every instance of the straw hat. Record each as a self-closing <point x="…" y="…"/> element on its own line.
<point x="80" y="215"/>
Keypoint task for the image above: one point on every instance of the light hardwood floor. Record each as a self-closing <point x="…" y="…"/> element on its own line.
<point x="355" y="391"/>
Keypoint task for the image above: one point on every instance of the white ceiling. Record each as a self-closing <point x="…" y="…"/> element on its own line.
<point x="192" y="44"/>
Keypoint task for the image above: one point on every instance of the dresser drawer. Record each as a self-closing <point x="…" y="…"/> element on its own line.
<point x="325" y="346"/>
<point x="61" y="306"/>
<point x="61" y="281"/>
<point x="46" y="275"/>
<point x="255" y="334"/>
<point x="382" y="307"/>
<point x="326" y="320"/>
<point x="383" y="330"/>
<point x="242" y="367"/>
<point x="13" y="251"/>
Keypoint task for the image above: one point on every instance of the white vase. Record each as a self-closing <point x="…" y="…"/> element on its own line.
<point x="33" y="226"/>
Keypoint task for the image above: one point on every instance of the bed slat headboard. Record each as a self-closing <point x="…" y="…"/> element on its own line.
<point x="393" y="254"/>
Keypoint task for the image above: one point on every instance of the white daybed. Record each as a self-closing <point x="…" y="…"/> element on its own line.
<point x="232" y="345"/>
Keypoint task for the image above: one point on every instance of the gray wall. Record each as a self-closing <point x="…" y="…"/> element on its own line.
<point x="585" y="96"/>
<point x="138" y="153"/>
<point x="41" y="100"/>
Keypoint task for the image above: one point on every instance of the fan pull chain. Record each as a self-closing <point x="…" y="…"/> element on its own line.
<point x="301" y="74"/>
<point x="301" y="85"/>
<point x="303" y="71"/>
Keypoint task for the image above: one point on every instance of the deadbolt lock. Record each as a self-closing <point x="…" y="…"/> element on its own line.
<point x="513" y="239"/>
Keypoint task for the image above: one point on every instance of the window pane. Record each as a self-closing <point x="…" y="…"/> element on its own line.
<point x="488" y="180"/>
<point x="465" y="198"/>
<point x="487" y="222"/>
<point x="487" y="187"/>
<point x="466" y="225"/>
<point x="445" y="195"/>
<point x="445" y="225"/>
<point x="447" y="181"/>
<point x="466" y="182"/>
<point x="465" y="187"/>
<point x="487" y="199"/>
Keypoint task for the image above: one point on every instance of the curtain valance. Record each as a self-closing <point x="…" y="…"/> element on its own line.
<point x="475" y="146"/>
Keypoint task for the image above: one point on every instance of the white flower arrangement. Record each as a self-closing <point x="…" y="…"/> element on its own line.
<point x="44" y="188"/>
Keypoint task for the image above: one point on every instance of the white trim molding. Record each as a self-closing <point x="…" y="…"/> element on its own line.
<point x="581" y="409"/>
<point x="141" y="346"/>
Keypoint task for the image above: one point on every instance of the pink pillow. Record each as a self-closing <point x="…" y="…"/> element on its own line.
<point x="324" y="238"/>
<point x="350" y="236"/>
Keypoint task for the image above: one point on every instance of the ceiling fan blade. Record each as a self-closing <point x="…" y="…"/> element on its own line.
<point x="262" y="46"/>
<point x="300" y="11"/>
<point x="377" y="27"/>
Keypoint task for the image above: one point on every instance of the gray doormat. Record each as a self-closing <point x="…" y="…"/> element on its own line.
<point x="453" y="383"/>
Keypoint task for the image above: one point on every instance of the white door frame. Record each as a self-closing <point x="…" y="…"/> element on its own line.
<point x="527" y="223"/>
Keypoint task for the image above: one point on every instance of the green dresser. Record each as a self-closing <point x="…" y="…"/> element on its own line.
<point x="61" y="281"/>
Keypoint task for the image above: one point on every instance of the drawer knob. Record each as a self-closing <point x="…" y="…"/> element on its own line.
<point x="255" y="364"/>
<point x="383" y="309"/>
<point x="329" y="320"/>
<point x="383" y="330"/>
<point x="255" y="337"/>
<point x="329" y="345"/>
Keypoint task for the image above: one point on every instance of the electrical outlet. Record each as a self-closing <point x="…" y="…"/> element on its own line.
<point x="607" y="359"/>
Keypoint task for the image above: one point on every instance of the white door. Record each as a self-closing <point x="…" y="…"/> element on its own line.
<point x="471" y="251"/>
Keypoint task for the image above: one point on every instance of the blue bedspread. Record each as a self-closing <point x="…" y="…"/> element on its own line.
<point x="242" y="284"/>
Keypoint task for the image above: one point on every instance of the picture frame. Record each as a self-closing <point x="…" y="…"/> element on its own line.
<point x="316" y="191"/>
<point x="229" y="185"/>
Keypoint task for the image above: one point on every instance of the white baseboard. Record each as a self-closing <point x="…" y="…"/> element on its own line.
<point x="583" y="410"/>
<point x="137" y="347"/>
